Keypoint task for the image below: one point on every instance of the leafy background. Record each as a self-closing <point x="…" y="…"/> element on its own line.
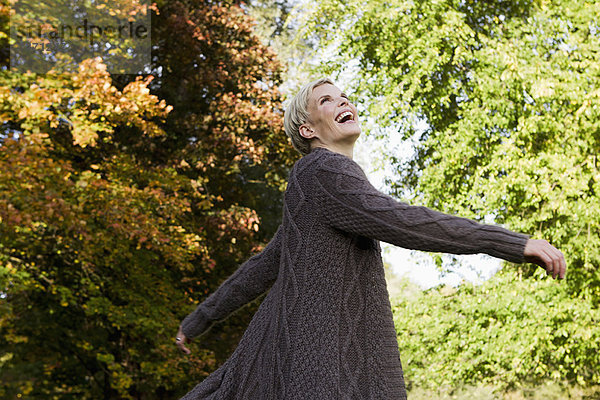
<point x="126" y="199"/>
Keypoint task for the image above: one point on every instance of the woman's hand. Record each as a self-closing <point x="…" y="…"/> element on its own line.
<point x="545" y="255"/>
<point x="181" y="340"/>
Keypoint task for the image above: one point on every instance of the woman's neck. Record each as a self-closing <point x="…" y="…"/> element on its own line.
<point x="345" y="150"/>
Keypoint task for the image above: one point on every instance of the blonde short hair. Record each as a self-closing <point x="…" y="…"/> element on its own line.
<point x="296" y="114"/>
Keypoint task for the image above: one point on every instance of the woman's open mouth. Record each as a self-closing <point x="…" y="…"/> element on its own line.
<point x="345" y="117"/>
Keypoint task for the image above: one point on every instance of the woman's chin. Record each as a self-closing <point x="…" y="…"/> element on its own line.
<point x="350" y="128"/>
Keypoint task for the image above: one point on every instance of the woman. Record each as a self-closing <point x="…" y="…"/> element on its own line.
<point x="325" y="329"/>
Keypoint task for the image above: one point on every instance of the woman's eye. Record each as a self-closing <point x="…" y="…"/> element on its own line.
<point x="325" y="99"/>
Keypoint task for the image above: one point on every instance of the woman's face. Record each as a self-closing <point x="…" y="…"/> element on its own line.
<point x="332" y="118"/>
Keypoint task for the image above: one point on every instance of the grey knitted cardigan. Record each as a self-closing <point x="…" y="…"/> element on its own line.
<point x="325" y="329"/>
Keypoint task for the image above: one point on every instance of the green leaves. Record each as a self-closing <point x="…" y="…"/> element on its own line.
<point x="508" y="333"/>
<point x="124" y="200"/>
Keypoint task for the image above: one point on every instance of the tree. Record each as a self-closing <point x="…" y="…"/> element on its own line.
<point x="91" y="254"/>
<point x="493" y="334"/>
<point x="125" y="200"/>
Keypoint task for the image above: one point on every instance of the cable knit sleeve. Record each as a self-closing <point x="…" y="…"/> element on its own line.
<point x="350" y="203"/>
<point x="253" y="278"/>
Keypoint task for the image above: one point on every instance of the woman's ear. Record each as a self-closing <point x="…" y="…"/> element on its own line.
<point x="306" y="131"/>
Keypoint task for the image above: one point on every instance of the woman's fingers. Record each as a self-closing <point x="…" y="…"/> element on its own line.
<point x="181" y="340"/>
<point x="183" y="348"/>
<point x="550" y="258"/>
<point x="548" y="263"/>
<point x="557" y="261"/>
<point x="561" y="264"/>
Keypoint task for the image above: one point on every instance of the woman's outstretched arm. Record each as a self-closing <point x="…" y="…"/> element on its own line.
<point x="253" y="278"/>
<point x="349" y="202"/>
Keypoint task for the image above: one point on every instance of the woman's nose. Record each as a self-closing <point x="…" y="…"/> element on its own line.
<point x="343" y="101"/>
